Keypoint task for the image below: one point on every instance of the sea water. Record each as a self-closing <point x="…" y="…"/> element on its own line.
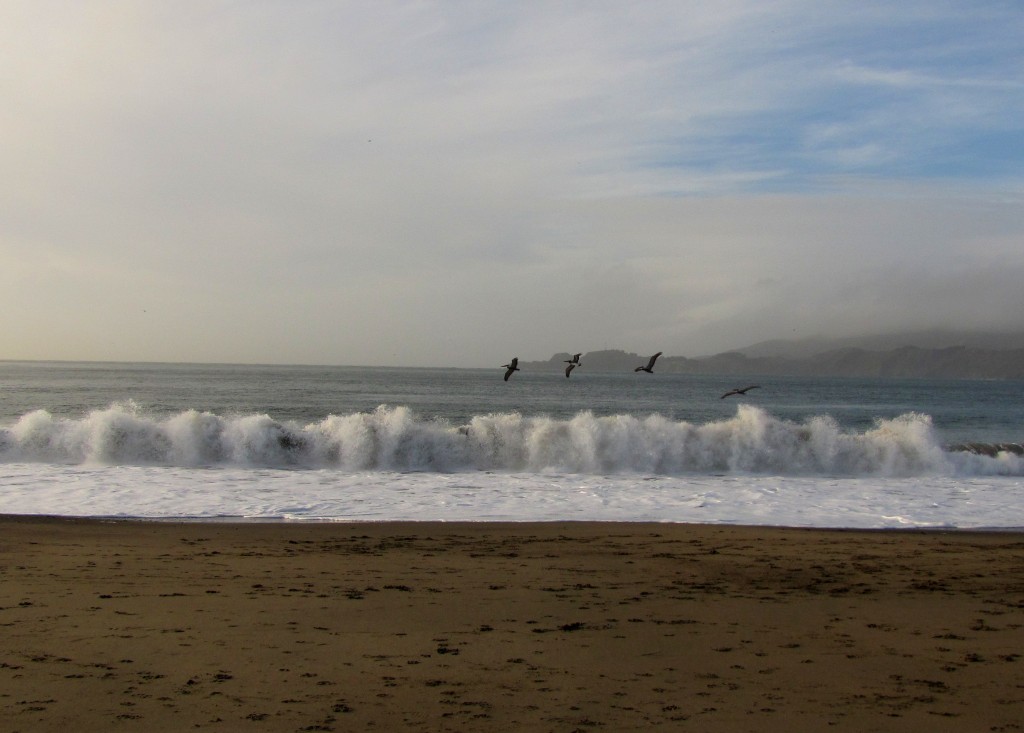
<point x="302" y="443"/>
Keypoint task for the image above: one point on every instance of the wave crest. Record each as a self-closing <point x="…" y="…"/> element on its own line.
<point x="394" y="439"/>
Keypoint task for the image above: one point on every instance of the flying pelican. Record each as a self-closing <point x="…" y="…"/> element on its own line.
<point x="739" y="390"/>
<point x="512" y="366"/>
<point x="573" y="363"/>
<point x="650" y="365"/>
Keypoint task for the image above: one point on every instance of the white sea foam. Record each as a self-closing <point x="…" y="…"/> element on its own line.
<point x="335" y="495"/>
<point x="394" y="439"/>
<point x="388" y="464"/>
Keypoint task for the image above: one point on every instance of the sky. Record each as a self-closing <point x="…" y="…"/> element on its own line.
<point x="456" y="183"/>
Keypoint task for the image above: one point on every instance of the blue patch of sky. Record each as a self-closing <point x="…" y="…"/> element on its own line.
<point x="989" y="154"/>
<point x="956" y="114"/>
<point x="929" y="99"/>
<point x="794" y="150"/>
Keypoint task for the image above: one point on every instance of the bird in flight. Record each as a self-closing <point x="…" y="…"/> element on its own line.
<point x="739" y="390"/>
<point x="573" y="363"/>
<point x="650" y="365"/>
<point x="512" y="366"/>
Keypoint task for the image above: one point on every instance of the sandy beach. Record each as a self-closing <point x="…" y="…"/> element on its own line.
<point x="142" y="626"/>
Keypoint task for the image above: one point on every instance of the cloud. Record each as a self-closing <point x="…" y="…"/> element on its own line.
<point x="434" y="183"/>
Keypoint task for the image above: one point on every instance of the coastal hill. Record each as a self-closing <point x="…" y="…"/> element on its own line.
<point x="933" y="339"/>
<point x="954" y="362"/>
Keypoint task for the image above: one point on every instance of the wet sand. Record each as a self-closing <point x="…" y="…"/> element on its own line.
<point x="134" y="626"/>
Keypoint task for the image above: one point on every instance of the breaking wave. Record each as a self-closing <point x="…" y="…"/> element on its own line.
<point x="395" y="439"/>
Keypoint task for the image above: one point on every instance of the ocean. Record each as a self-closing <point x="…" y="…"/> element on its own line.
<point x="306" y="443"/>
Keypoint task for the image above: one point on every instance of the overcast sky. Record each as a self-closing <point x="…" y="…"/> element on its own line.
<point x="457" y="183"/>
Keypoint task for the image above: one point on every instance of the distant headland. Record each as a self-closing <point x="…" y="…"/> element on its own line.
<point x="974" y="357"/>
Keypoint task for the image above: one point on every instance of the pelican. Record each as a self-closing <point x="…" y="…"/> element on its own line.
<point x="650" y="365"/>
<point x="739" y="390"/>
<point x="572" y="365"/>
<point x="575" y="359"/>
<point x="512" y="366"/>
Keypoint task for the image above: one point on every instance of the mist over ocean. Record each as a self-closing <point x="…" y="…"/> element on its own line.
<point x="348" y="443"/>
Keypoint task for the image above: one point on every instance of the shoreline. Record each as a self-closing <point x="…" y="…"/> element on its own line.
<point x="125" y="624"/>
<point x="230" y="520"/>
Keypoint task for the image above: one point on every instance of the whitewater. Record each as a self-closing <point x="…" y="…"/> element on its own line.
<point x="391" y="463"/>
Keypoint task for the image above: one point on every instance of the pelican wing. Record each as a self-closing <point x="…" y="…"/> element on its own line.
<point x="739" y="390"/>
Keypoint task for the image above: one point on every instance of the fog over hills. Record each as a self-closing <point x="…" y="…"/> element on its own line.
<point x="931" y="354"/>
<point x="933" y="339"/>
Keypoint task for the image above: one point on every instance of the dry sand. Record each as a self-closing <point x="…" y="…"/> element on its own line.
<point x="134" y="626"/>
